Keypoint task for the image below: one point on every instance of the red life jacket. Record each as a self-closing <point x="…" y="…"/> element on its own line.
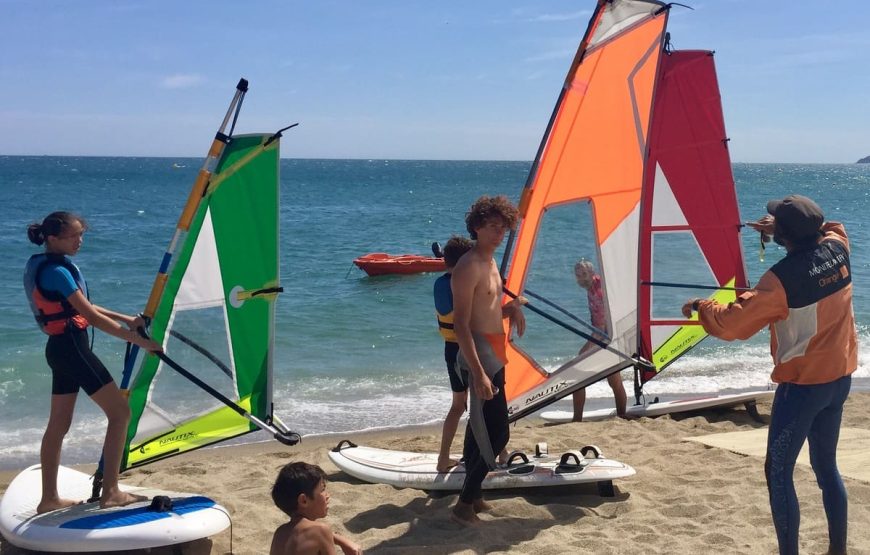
<point x="52" y="312"/>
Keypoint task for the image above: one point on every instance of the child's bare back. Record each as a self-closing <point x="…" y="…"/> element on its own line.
<point x="303" y="537"/>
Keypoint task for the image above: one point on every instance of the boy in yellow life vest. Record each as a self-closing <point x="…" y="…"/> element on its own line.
<point x="453" y="250"/>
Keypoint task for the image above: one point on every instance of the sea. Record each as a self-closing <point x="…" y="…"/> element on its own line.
<point x="352" y="352"/>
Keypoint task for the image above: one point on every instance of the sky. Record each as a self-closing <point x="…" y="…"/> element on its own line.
<point x="405" y="79"/>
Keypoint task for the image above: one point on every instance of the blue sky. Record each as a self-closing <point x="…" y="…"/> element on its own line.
<point x="401" y="79"/>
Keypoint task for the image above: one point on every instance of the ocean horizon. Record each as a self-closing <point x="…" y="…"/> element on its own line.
<point x="352" y="352"/>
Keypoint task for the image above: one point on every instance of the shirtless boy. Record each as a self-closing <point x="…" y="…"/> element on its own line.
<point x="478" y="322"/>
<point x="300" y="491"/>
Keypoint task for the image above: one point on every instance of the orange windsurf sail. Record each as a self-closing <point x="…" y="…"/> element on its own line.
<point x="589" y="198"/>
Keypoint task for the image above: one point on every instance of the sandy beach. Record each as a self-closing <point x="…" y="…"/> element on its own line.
<point x="685" y="497"/>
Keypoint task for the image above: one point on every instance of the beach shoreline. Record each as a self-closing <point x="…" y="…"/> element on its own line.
<point x="685" y="497"/>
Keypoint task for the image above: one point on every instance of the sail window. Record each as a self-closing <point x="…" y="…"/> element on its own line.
<point x="566" y="239"/>
<point x="677" y="259"/>
<point x="195" y="344"/>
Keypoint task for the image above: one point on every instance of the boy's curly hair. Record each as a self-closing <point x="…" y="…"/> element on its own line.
<point x="293" y="479"/>
<point x="486" y="208"/>
<point x="455" y="248"/>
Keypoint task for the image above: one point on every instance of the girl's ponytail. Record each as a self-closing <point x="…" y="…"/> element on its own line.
<point x="35" y="234"/>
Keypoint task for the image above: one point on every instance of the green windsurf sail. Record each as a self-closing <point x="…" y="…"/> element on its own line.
<point x="213" y="308"/>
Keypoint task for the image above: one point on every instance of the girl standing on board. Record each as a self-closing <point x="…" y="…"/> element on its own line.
<point x="58" y="297"/>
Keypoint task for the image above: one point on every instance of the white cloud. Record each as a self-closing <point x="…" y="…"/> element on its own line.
<point x="535" y="75"/>
<point x="181" y="81"/>
<point x="546" y="17"/>
<point x="566" y="54"/>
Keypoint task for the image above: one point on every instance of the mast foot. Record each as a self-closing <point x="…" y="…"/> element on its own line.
<point x="288" y="438"/>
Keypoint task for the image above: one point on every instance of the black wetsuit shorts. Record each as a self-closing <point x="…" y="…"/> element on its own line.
<point x="451" y="351"/>
<point x="73" y="364"/>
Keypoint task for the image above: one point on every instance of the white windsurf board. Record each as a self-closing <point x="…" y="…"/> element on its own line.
<point x="662" y="407"/>
<point x="87" y="527"/>
<point x="417" y="470"/>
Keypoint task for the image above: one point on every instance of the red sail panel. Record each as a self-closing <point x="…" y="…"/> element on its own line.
<point x="689" y="190"/>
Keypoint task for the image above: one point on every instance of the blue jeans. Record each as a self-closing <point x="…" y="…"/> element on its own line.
<point x="806" y="412"/>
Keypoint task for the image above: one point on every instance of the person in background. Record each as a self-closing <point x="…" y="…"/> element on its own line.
<point x="588" y="279"/>
<point x="58" y="297"/>
<point x="806" y="301"/>
<point x="300" y="491"/>
<point x="453" y="250"/>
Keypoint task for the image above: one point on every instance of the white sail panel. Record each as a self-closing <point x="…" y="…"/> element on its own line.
<point x="666" y="210"/>
<point x="202" y="285"/>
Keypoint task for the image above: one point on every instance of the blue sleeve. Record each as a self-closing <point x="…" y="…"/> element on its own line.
<point x="58" y="278"/>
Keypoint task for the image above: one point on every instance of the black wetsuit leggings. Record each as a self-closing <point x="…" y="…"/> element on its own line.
<point x="73" y="364"/>
<point x="496" y="417"/>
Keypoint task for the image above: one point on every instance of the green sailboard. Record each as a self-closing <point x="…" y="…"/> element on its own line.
<point x="215" y="316"/>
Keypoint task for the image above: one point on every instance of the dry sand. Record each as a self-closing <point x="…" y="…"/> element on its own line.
<point x="685" y="498"/>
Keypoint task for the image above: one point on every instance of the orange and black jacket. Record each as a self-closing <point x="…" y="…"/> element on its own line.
<point x="806" y="299"/>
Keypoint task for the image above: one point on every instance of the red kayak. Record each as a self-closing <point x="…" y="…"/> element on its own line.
<point x="381" y="263"/>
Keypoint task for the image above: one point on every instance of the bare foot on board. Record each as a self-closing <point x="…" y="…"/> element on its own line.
<point x="445" y="465"/>
<point x="48" y="505"/>
<point x="119" y="499"/>
<point x="463" y="514"/>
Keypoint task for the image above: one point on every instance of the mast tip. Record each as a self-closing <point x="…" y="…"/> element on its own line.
<point x="243" y="85"/>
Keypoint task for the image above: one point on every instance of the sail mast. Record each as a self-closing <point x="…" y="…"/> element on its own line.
<point x="196" y="193"/>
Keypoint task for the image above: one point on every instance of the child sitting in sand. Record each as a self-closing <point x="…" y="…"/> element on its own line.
<point x="300" y="491"/>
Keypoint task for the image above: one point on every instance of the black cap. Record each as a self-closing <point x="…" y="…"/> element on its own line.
<point x="797" y="217"/>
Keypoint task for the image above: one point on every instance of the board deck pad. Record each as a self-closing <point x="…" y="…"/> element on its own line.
<point x="417" y="470"/>
<point x="88" y="528"/>
<point x="663" y="407"/>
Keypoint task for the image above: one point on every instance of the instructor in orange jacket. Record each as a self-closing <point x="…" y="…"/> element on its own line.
<point x="806" y="300"/>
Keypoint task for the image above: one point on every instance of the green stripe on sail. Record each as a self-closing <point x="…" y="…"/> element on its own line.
<point x="244" y="216"/>
<point x="687" y="337"/>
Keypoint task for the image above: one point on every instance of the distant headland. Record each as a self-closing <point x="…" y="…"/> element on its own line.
<point x="865" y="160"/>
